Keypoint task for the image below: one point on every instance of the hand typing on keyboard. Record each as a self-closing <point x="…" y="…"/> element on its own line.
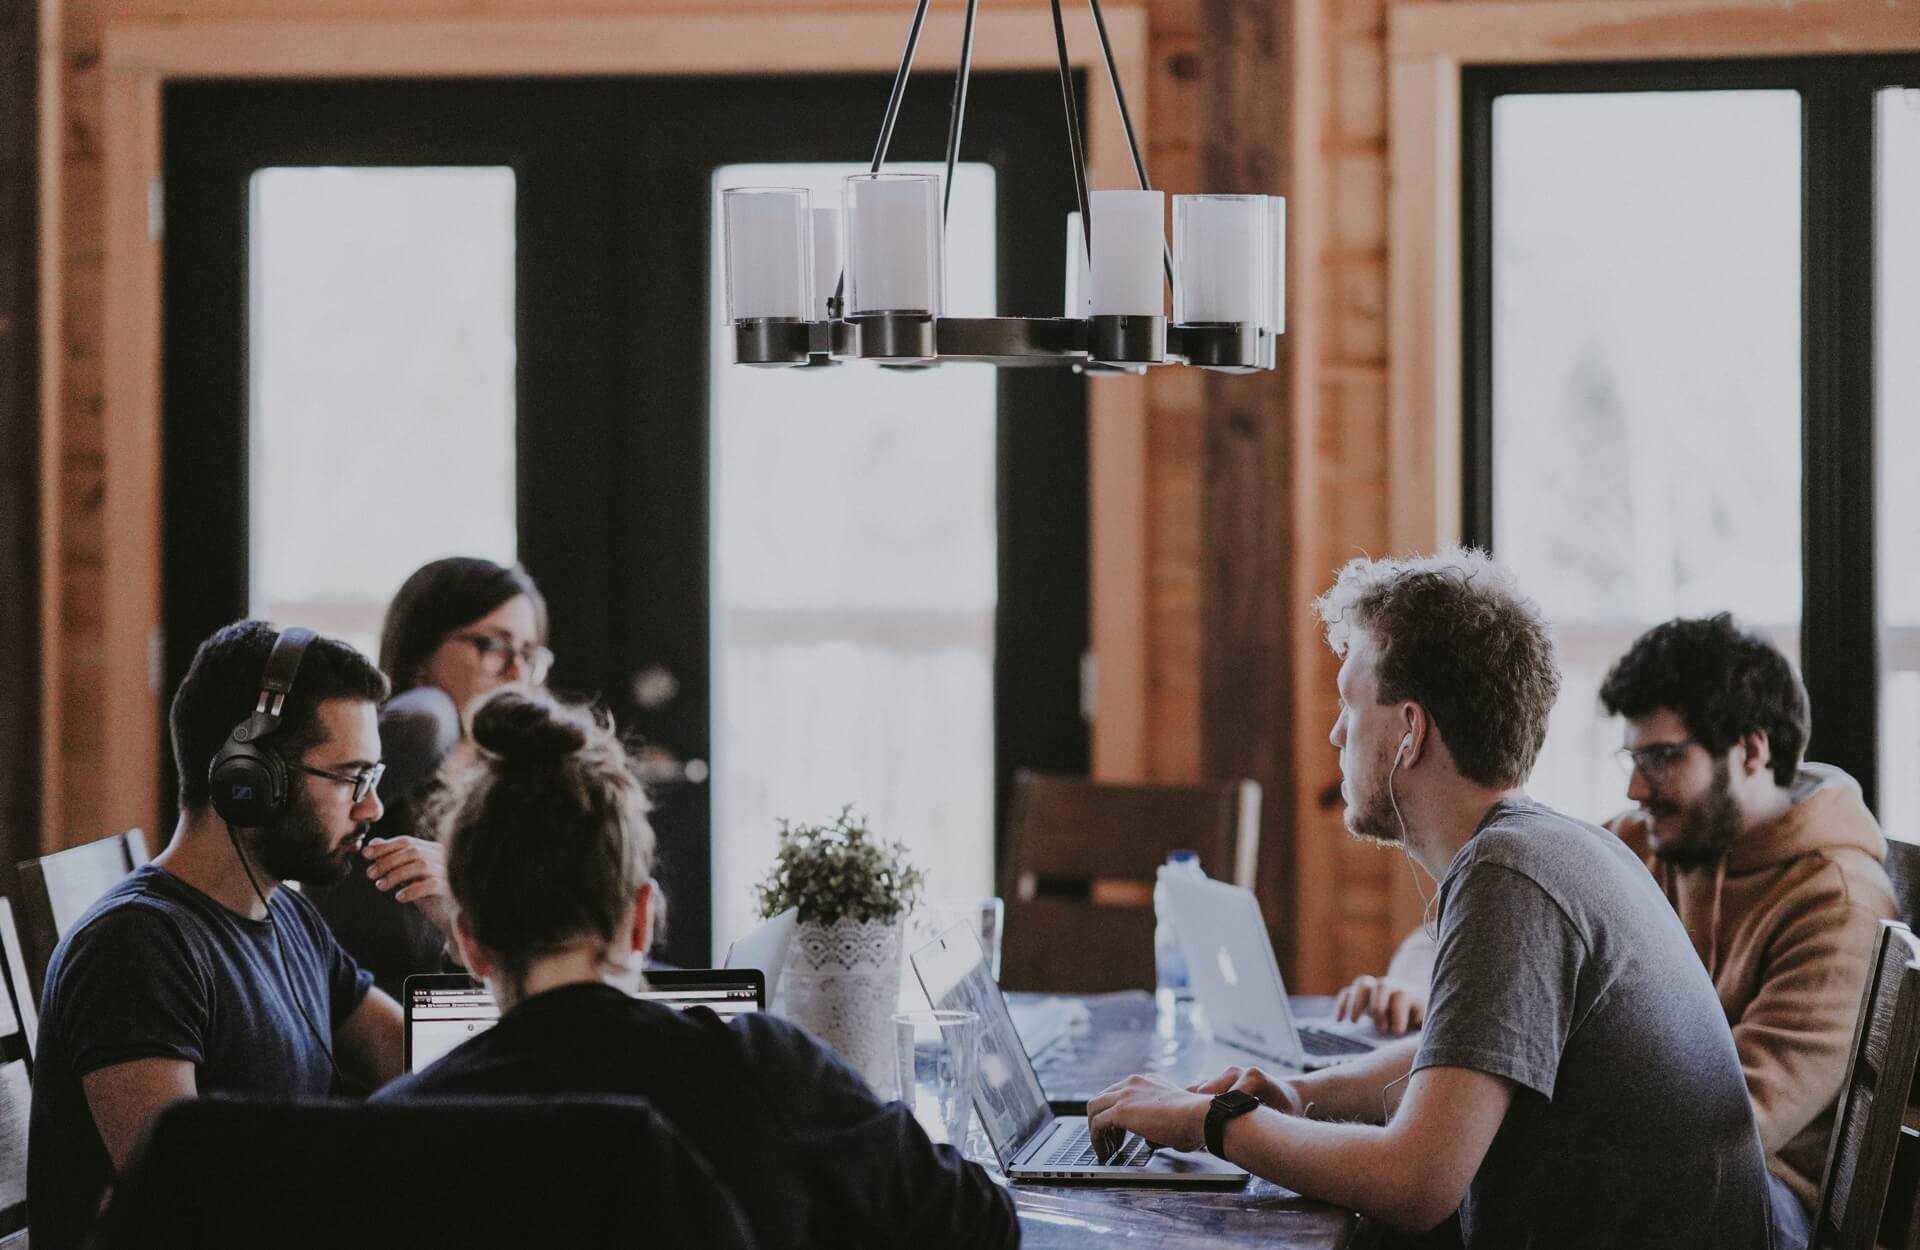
<point x="1165" y="1115"/>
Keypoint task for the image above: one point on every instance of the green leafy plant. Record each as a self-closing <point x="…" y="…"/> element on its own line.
<point x="837" y="871"/>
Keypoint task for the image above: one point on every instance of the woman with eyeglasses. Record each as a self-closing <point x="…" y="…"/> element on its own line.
<point x="459" y="629"/>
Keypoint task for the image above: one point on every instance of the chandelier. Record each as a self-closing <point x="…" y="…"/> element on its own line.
<point x="811" y="286"/>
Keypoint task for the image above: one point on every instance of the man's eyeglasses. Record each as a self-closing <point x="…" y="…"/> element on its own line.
<point x="362" y="782"/>
<point x="1654" y="759"/>
<point x="497" y="650"/>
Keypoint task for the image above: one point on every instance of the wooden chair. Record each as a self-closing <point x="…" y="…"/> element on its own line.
<point x="57" y="889"/>
<point x="1080" y="867"/>
<point x="1903" y="868"/>
<point x="1873" y="1101"/>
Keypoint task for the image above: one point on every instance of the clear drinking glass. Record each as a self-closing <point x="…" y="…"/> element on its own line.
<point x="936" y="1058"/>
<point x="986" y="917"/>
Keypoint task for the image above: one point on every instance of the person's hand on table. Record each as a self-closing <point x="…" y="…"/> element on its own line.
<point x="414" y="871"/>
<point x="1394" y="1006"/>
<point x="1166" y="1115"/>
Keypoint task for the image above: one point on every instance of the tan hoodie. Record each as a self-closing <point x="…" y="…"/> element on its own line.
<point x="1786" y="924"/>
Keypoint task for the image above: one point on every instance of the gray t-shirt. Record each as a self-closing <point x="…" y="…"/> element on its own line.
<point x="1561" y="968"/>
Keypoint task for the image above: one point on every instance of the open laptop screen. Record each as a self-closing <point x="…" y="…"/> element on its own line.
<point x="445" y="1009"/>
<point x="1011" y="1103"/>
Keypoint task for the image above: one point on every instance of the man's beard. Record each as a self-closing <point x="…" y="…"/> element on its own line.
<point x="1707" y="827"/>
<point x="1371" y="817"/>
<point x="299" y="848"/>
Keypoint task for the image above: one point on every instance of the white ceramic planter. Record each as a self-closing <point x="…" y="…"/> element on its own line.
<point x="841" y="984"/>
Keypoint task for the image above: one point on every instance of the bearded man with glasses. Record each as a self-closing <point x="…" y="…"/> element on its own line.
<point x="1774" y="865"/>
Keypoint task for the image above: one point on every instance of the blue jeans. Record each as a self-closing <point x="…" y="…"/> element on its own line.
<point x="1791" y="1226"/>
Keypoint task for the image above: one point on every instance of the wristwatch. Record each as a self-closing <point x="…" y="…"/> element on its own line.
<point x="1235" y="1102"/>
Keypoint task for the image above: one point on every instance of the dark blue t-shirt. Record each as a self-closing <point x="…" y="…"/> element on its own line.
<point x="158" y="970"/>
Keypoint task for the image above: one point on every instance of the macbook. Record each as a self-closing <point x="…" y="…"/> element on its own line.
<point x="1032" y="1143"/>
<point x="443" y="1009"/>
<point x="1236" y="980"/>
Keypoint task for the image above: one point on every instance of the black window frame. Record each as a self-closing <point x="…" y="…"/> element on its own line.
<point x="596" y="387"/>
<point x="1840" y="622"/>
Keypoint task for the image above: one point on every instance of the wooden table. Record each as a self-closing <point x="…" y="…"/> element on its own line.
<point x="1124" y="1034"/>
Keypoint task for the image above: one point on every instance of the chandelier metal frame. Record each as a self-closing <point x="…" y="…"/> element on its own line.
<point x="1097" y="343"/>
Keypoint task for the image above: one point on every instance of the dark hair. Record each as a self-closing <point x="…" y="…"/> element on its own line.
<point x="222" y="686"/>
<point x="1721" y="680"/>
<point x="1457" y="637"/>
<point x="546" y="834"/>
<point x="439" y="598"/>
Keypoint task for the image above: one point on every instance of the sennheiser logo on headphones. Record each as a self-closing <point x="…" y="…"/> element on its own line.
<point x="243" y="792"/>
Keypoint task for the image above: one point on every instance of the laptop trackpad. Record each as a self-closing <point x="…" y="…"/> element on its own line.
<point x="1191" y="1163"/>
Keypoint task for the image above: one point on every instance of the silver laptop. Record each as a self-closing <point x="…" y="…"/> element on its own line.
<point x="765" y="948"/>
<point x="1032" y="1143"/>
<point x="1236" y="980"/>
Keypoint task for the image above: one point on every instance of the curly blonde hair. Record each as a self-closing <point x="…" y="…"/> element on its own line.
<point x="1457" y="636"/>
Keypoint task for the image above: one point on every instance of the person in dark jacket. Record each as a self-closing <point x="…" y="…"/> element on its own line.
<point x="550" y="859"/>
<point x="457" y="630"/>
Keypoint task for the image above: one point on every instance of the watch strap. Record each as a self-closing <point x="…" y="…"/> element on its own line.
<point x="1230" y="1105"/>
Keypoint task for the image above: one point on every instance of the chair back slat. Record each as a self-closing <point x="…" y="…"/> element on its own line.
<point x="1903" y="869"/>
<point x="57" y="889"/>
<point x="19" y="997"/>
<point x="1080" y="870"/>
<point x="1873" y="1101"/>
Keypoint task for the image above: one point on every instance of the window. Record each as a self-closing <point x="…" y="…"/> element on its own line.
<point x="1678" y="309"/>
<point x="381" y="344"/>
<point x="1646" y="379"/>
<point x="1897" y="397"/>
<point x="854" y="586"/>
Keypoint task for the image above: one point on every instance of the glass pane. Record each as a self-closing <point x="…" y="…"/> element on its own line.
<point x="1646" y="381"/>
<point x="854" y="586"/>
<point x="381" y="344"/>
<point x="1897" y="454"/>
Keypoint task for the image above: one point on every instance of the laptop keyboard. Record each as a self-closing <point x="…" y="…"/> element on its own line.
<point x="1323" y="1042"/>
<point x="1076" y="1150"/>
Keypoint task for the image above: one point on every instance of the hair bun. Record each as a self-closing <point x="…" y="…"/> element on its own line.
<point x="522" y="728"/>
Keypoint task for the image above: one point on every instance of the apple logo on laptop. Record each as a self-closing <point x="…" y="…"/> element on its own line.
<point x="1227" y="969"/>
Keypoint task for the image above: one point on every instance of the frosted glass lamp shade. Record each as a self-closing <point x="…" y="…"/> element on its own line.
<point x="769" y="253"/>
<point x="894" y="247"/>
<point x="1277" y="253"/>
<point x="826" y="260"/>
<point x="1079" y="298"/>
<point x="1129" y="240"/>
<point x="1220" y="247"/>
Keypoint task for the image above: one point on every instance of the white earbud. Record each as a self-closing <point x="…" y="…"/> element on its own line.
<point x="1405" y="743"/>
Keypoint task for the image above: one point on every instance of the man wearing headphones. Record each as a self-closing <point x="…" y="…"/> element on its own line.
<point x="197" y="974"/>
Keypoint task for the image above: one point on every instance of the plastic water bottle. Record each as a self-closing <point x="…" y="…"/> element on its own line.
<point x="1169" y="962"/>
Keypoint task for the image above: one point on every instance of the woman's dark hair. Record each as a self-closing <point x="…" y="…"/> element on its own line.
<point x="546" y="833"/>
<point x="1721" y="680"/>
<point x="441" y="597"/>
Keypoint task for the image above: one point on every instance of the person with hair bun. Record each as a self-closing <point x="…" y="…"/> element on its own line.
<point x="457" y="630"/>
<point x="549" y="861"/>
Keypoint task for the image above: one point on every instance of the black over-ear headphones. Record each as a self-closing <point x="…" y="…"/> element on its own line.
<point x="248" y="780"/>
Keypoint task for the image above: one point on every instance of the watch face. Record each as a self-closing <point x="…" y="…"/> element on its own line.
<point x="1236" y="1102"/>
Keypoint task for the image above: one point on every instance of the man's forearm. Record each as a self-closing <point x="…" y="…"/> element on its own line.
<point x="1349" y="1165"/>
<point x="1363" y="1090"/>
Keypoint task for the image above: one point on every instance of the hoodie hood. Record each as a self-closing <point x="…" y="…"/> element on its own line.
<point x="1828" y="814"/>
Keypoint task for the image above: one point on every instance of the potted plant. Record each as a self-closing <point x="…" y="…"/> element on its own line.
<point x="842" y="977"/>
